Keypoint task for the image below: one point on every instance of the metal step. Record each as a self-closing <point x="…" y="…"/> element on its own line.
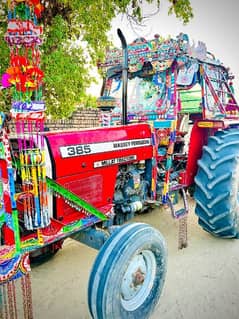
<point x="177" y="214"/>
<point x="180" y="213"/>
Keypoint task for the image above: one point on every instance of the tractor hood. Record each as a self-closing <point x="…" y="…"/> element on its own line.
<point x="75" y="152"/>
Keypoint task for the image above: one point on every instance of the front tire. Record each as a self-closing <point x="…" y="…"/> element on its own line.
<point x="128" y="275"/>
<point x="217" y="185"/>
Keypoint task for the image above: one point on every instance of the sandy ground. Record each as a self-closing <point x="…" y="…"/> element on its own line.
<point x="202" y="280"/>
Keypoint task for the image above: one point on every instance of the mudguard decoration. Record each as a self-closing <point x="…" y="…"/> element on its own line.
<point x="13" y="267"/>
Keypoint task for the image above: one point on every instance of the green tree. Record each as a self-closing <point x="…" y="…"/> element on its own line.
<point x="75" y="38"/>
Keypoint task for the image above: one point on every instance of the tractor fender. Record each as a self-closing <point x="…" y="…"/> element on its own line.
<point x="198" y="138"/>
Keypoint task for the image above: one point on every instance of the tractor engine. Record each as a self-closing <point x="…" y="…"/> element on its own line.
<point x="131" y="191"/>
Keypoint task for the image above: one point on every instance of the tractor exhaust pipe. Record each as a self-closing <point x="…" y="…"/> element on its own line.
<point x="124" y="119"/>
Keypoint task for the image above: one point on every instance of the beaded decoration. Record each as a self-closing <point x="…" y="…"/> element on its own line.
<point x="26" y="78"/>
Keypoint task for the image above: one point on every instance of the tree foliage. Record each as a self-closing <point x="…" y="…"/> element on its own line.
<point x="75" y="38"/>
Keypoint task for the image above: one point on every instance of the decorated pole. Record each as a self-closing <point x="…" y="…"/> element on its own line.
<point x="24" y="79"/>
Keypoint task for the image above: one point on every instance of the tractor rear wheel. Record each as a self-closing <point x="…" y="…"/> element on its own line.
<point x="128" y="274"/>
<point x="217" y="185"/>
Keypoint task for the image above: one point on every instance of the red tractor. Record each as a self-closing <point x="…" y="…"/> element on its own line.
<point x="85" y="184"/>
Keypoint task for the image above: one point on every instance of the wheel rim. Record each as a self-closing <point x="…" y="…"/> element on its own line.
<point x="138" y="280"/>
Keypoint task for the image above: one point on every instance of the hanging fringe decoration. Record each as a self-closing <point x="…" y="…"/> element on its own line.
<point x="11" y="294"/>
<point x="10" y="307"/>
<point x="27" y="296"/>
<point x="182" y="233"/>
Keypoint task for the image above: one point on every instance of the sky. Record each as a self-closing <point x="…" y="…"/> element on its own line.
<point x="216" y="23"/>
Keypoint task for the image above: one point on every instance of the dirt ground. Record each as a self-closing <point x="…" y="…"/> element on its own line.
<point x="202" y="280"/>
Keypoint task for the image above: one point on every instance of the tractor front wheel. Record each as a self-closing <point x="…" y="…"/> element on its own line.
<point x="217" y="185"/>
<point x="128" y="274"/>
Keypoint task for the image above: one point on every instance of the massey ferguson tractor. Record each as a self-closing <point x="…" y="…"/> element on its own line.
<point x="169" y="126"/>
<point x="78" y="184"/>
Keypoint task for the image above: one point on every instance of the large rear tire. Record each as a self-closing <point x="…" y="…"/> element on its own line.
<point x="128" y="275"/>
<point x="217" y="185"/>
